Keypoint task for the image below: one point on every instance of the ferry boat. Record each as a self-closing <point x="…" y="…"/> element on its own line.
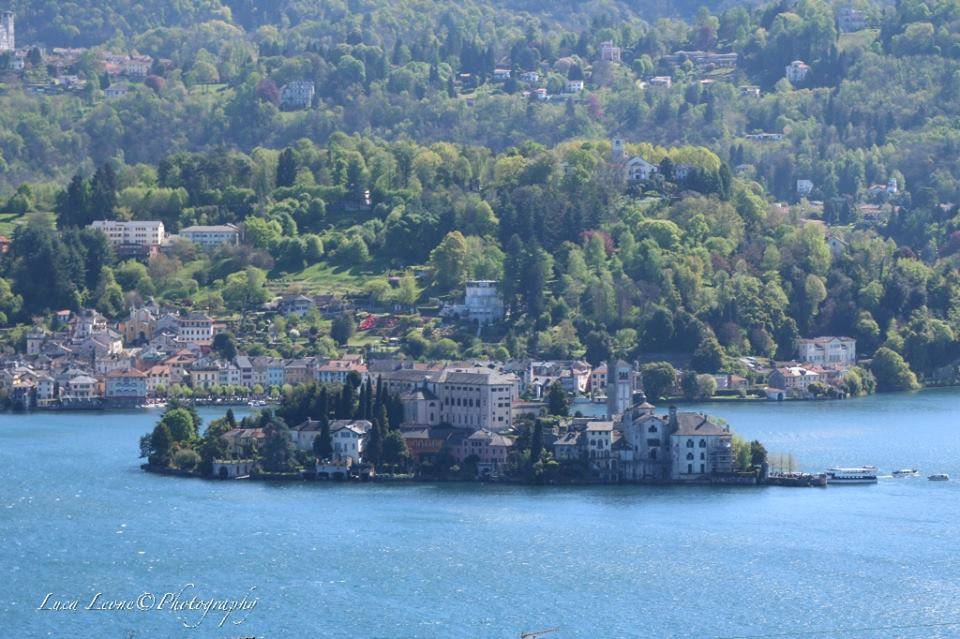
<point x="939" y="477"/>
<point x="906" y="472"/>
<point x="854" y="475"/>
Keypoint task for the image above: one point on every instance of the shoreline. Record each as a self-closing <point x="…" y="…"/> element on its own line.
<point x="677" y="401"/>
<point x="310" y="478"/>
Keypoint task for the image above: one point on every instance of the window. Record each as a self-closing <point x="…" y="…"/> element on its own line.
<point x="689" y="443"/>
<point x="689" y="456"/>
<point x="703" y="443"/>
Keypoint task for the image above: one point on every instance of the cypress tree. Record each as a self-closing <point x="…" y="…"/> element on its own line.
<point x="536" y="443"/>
<point x="286" y="168"/>
<point x="322" y="443"/>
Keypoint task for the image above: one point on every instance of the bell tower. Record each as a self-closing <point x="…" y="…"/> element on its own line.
<point x="7" y="40"/>
<point x="619" y="387"/>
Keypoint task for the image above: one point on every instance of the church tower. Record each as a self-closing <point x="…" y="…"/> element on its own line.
<point x="619" y="387"/>
<point x="7" y="41"/>
<point x="619" y="152"/>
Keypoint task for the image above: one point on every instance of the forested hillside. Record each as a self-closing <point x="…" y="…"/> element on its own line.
<point x="779" y="208"/>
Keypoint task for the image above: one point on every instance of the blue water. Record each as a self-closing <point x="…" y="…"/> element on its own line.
<point x="78" y="517"/>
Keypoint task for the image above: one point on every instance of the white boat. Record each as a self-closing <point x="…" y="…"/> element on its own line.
<point x="906" y="472"/>
<point x="852" y="475"/>
<point x="939" y="477"/>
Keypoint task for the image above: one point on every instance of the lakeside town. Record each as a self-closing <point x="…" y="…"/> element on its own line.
<point x="83" y="361"/>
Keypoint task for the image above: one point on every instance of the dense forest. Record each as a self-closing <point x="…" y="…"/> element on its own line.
<point x="412" y="155"/>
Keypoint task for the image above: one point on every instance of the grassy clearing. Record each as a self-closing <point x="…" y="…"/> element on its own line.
<point x="857" y="39"/>
<point x="325" y="279"/>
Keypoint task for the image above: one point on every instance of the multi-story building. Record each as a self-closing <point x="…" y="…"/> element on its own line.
<point x="482" y="301"/>
<point x="297" y="94"/>
<point x="793" y="378"/>
<point x="229" y="375"/>
<point x="196" y="328"/>
<point x="828" y="351"/>
<point x="704" y="60"/>
<point x="610" y="52"/>
<point x="347" y="437"/>
<point x="337" y="370"/>
<point x="212" y="236"/>
<point x="421" y="406"/>
<point x="268" y="371"/>
<point x="701" y="448"/>
<point x="81" y="387"/>
<point x="490" y="451"/>
<point x="475" y="398"/>
<point x="203" y="376"/>
<point x="299" y="371"/>
<point x="298" y="305"/>
<point x="147" y="233"/>
<point x="126" y="387"/>
<point x="677" y="446"/>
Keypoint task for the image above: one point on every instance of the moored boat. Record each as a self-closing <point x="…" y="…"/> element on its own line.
<point x="852" y="475"/>
<point x="939" y="477"/>
<point x="906" y="472"/>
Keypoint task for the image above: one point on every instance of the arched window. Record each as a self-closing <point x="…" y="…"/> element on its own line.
<point x="689" y="443"/>
<point x="703" y="443"/>
<point x="689" y="456"/>
<point x="652" y="429"/>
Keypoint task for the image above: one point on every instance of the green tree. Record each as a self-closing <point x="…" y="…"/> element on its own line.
<point x="658" y="378"/>
<point x="108" y="296"/>
<point x="246" y="290"/>
<point x="322" y="443"/>
<point x="699" y="387"/>
<point x="161" y="442"/>
<point x="224" y="344"/>
<point x="180" y="423"/>
<point x="708" y="358"/>
<point x="286" y="168"/>
<point x="557" y="401"/>
<point x="758" y="454"/>
<point x="186" y="459"/>
<point x="278" y="451"/>
<point x="449" y="261"/>
<point x="395" y="450"/>
<point x="103" y="194"/>
<point x="892" y="372"/>
<point x="343" y="328"/>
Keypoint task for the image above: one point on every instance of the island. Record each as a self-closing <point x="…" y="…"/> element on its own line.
<point x="361" y="430"/>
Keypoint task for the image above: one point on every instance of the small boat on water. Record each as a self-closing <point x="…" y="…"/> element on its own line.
<point x="852" y="475"/>
<point x="906" y="472"/>
<point x="939" y="477"/>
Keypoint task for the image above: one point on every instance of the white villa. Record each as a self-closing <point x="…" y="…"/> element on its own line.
<point x="828" y="351"/>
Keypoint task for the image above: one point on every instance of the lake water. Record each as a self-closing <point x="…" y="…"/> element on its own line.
<point x="78" y="517"/>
